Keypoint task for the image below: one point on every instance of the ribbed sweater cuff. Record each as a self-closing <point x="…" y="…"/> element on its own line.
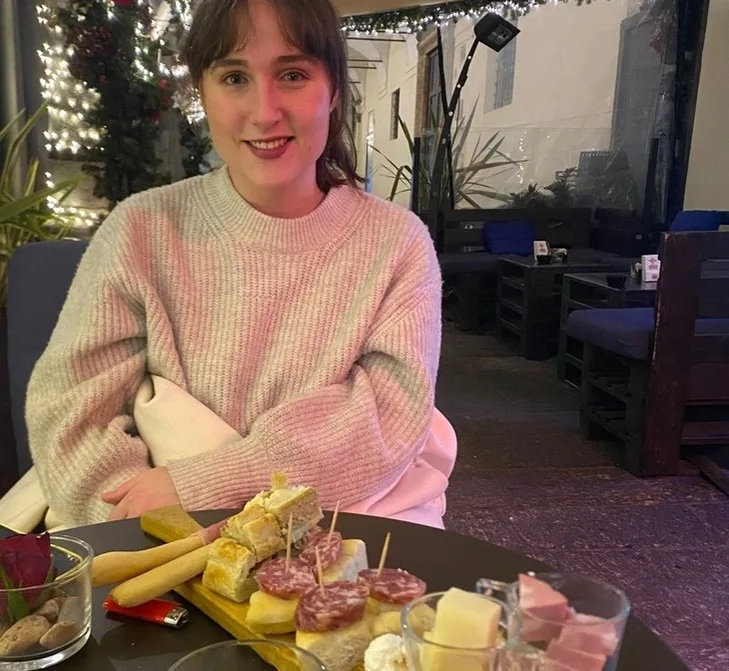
<point x="222" y="478"/>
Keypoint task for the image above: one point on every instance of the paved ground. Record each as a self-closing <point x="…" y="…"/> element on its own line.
<point x="526" y="480"/>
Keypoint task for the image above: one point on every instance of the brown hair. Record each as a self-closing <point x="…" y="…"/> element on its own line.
<point x="316" y="32"/>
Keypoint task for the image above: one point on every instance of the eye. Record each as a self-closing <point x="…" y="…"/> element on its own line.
<point x="295" y="77"/>
<point x="234" y="79"/>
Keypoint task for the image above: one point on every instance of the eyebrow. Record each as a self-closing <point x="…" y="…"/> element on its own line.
<point x="281" y="60"/>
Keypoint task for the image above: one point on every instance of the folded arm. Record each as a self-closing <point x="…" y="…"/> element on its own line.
<point x="351" y="439"/>
<point x="79" y="425"/>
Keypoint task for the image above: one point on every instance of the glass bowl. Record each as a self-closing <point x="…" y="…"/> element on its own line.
<point x="249" y="656"/>
<point x="418" y="622"/>
<point x="58" y="620"/>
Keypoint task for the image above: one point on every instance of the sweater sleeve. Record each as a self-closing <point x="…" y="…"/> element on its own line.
<point x="352" y="439"/>
<point x="77" y="405"/>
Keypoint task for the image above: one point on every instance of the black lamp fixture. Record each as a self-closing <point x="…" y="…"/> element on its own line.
<point x="495" y="32"/>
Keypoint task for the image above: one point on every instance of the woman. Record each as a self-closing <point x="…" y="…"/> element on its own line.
<point x="301" y="311"/>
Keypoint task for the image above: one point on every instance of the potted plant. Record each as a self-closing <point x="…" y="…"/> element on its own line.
<point x="27" y="217"/>
<point x="468" y="174"/>
<point x="24" y="217"/>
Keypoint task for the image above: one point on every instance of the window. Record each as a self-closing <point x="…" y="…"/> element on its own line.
<point x="505" y="69"/>
<point x="370" y="154"/>
<point x="433" y="110"/>
<point x="395" y="115"/>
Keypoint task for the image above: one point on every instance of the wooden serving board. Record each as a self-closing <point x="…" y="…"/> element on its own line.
<point x="172" y="523"/>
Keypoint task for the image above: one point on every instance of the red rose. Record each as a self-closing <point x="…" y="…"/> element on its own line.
<point x="123" y="3"/>
<point x="25" y="561"/>
<point x="163" y="84"/>
<point x="155" y="116"/>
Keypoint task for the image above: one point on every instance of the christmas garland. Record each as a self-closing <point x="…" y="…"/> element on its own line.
<point x="417" y="18"/>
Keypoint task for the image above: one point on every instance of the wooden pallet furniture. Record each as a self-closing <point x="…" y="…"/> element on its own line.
<point x="528" y="303"/>
<point x="591" y="290"/>
<point x="658" y="379"/>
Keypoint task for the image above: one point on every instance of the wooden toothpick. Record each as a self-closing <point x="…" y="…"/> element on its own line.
<point x="383" y="556"/>
<point x="319" y="572"/>
<point x="288" y="542"/>
<point x="334" y="523"/>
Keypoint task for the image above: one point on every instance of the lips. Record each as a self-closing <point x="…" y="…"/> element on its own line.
<point x="269" y="144"/>
<point x="271" y="149"/>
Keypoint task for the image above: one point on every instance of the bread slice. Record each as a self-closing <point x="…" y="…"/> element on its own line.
<point x="340" y="650"/>
<point x="352" y="560"/>
<point x="261" y="535"/>
<point x="227" y="570"/>
<point x="299" y="503"/>
<point x="269" y="615"/>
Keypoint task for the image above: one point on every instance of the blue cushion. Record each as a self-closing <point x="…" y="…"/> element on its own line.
<point x="39" y="275"/>
<point x="509" y="237"/>
<point x="697" y="220"/>
<point x="627" y="331"/>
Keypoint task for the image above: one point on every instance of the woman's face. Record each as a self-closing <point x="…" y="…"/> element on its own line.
<point x="268" y="107"/>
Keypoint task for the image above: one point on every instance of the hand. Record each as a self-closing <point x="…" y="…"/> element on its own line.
<point x="152" y="489"/>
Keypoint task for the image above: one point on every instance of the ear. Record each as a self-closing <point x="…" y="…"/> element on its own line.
<point x="334" y="102"/>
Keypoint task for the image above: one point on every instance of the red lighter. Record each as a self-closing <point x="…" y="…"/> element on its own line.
<point x="159" y="611"/>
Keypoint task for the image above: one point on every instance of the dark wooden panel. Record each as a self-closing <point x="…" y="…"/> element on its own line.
<point x="708" y="382"/>
<point x="706" y="348"/>
<point x="705" y="433"/>
<point x="713" y="297"/>
<point x="518" y="214"/>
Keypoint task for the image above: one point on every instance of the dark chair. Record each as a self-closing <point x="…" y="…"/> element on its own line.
<point x="658" y="379"/>
<point x="39" y="275"/>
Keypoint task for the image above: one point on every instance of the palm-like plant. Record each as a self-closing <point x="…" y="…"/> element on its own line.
<point x="26" y="217"/>
<point x="468" y="176"/>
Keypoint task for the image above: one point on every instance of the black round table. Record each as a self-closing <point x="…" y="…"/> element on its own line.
<point x="443" y="559"/>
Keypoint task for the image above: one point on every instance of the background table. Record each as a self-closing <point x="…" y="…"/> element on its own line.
<point x="528" y="303"/>
<point x="442" y="559"/>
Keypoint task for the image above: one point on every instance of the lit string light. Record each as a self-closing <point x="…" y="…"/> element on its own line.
<point x="419" y="18"/>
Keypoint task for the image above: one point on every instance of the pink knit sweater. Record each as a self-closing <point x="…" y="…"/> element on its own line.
<point x="316" y="338"/>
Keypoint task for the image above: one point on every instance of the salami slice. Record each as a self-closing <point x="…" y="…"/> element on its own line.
<point x="329" y="550"/>
<point x="393" y="585"/>
<point x="340" y="604"/>
<point x="273" y="578"/>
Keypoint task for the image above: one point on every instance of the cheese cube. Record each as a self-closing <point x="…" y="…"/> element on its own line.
<point x="466" y="620"/>
<point x="269" y="615"/>
<point x="352" y="560"/>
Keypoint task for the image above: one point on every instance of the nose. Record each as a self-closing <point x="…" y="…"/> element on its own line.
<point x="265" y="107"/>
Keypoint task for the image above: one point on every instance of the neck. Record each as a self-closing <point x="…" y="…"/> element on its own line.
<point x="297" y="200"/>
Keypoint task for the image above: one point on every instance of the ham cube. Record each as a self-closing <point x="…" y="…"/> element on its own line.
<point x="543" y="610"/>
<point x="575" y="660"/>
<point x="591" y="634"/>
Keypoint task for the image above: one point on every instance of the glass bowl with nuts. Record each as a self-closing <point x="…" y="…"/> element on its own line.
<point x="45" y="600"/>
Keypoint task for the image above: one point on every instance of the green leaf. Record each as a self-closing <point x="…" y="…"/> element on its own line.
<point x="14" y="208"/>
<point x="17" y="608"/>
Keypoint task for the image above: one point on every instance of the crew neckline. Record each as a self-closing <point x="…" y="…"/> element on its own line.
<point x="233" y="215"/>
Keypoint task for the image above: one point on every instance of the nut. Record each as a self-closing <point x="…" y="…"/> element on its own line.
<point x="23" y="634"/>
<point x="49" y="610"/>
<point x="59" y="634"/>
<point x="72" y="610"/>
<point x="59" y="595"/>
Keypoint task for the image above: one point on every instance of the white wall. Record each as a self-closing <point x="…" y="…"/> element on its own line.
<point x="564" y="88"/>
<point x="566" y="67"/>
<point x="707" y="186"/>
<point x="401" y="62"/>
